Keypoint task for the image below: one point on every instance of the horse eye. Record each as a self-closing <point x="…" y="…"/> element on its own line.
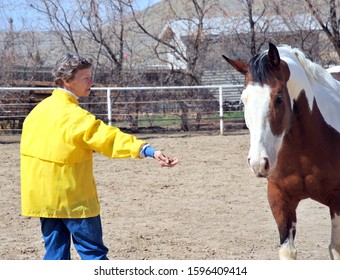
<point x="278" y="100"/>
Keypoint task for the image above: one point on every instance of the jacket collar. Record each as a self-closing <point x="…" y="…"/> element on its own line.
<point x="66" y="94"/>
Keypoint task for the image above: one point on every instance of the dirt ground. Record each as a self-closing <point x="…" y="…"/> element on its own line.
<point x="210" y="206"/>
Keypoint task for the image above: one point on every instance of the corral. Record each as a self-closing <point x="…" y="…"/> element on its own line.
<point x="210" y="206"/>
<point x="138" y="109"/>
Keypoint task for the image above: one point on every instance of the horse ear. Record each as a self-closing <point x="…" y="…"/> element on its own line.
<point x="273" y="55"/>
<point x="240" y="66"/>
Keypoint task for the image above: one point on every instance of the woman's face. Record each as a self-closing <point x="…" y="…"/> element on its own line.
<point x="81" y="83"/>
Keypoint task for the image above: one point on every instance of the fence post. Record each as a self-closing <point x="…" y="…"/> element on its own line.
<point x="221" y="110"/>
<point x="109" y="106"/>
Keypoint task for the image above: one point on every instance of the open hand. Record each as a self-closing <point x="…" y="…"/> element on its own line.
<point x="165" y="161"/>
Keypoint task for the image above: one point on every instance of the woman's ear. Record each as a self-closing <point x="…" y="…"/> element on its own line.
<point x="66" y="82"/>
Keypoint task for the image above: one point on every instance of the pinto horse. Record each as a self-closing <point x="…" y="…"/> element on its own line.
<point x="335" y="72"/>
<point x="292" y="110"/>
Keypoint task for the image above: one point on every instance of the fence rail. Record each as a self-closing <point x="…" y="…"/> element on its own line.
<point x="177" y="107"/>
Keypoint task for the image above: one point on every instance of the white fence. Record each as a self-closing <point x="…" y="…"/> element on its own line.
<point x="176" y="101"/>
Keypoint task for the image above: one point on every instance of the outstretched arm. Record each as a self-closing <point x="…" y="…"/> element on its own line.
<point x="163" y="160"/>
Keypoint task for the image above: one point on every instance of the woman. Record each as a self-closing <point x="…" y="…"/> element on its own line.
<point x="57" y="143"/>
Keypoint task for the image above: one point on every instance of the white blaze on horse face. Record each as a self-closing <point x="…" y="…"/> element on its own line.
<point x="264" y="145"/>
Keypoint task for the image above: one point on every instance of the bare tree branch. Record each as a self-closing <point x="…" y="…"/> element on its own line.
<point x="333" y="33"/>
<point x="60" y="20"/>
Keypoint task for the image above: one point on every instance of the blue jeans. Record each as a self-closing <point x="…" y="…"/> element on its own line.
<point x="86" y="236"/>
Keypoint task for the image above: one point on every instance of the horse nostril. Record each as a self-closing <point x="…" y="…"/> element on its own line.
<point x="260" y="167"/>
<point x="266" y="164"/>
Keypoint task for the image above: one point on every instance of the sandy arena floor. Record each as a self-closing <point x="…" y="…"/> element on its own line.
<point x="210" y="206"/>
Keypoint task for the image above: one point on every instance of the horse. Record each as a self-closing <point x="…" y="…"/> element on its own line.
<point x="335" y="72"/>
<point x="292" y="111"/>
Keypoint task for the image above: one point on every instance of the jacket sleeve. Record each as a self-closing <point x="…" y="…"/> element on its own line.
<point x="108" y="140"/>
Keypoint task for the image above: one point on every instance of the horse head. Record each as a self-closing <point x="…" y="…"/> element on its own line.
<point x="267" y="107"/>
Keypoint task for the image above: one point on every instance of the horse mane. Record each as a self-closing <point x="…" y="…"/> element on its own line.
<point x="314" y="71"/>
<point x="328" y="98"/>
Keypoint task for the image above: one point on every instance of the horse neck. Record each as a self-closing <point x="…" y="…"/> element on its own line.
<point x="319" y="89"/>
<point x="303" y="124"/>
<point x="298" y="81"/>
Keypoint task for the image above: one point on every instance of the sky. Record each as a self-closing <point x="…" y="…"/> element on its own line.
<point x="18" y="9"/>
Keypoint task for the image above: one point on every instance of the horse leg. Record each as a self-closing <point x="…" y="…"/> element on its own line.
<point x="284" y="212"/>
<point x="334" y="246"/>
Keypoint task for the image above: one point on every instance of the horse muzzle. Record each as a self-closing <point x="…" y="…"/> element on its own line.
<point x="260" y="167"/>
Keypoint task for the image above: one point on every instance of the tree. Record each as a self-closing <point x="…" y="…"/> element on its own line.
<point x="255" y="43"/>
<point x="186" y="56"/>
<point x="62" y="19"/>
<point x="193" y="52"/>
<point x="330" y="24"/>
<point x="105" y="23"/>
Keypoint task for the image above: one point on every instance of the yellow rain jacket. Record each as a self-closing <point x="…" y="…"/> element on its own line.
<point x="57" y="143"/>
